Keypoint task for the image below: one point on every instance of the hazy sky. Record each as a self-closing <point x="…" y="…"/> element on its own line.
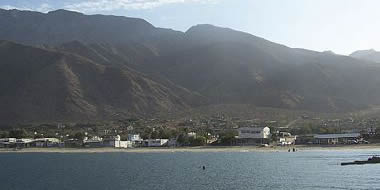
<point x="342" y="26"/>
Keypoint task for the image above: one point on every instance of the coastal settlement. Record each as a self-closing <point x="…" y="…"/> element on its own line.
<point x="216" y="131"/>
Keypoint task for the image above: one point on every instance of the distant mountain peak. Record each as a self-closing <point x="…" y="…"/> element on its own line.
<point x="206" y="27"/>
<point x="329" y="52"/>
<point x="363" y="52"/>
<point x="64" y="12"/>
<point x="203" y="26"/>
<point x="10" y="10"/>
<point x="368" y="55"/>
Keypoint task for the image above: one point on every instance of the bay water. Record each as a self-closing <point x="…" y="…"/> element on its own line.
<point x="183" y="170"/>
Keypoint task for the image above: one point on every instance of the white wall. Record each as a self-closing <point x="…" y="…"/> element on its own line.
<point x="254" y="132"/>
<point x="122" y="144"/>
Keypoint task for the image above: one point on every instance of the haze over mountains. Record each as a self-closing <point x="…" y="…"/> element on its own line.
<point x="67" y="66"/>
<point x="368" y="55"/>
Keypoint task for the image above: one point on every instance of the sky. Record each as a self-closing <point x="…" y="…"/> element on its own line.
<point x="342" y="26"/>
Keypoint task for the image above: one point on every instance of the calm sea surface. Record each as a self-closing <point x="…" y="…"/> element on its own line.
<point x="182" y="170"/>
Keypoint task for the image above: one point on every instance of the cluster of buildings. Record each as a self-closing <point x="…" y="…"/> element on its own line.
<point x="248" y="133"/>
<point x="332" y="139"/>
<point x="134" y="140"/>
<point x="27" y="143"/>
<point x="263" y="135"/>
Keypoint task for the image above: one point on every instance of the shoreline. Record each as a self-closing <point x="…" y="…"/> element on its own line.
<point x="196" y="149"/>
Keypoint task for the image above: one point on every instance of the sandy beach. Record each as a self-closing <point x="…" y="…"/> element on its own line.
<point x="299" y="148"/>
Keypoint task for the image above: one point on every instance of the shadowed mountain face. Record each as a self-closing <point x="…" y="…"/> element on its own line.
<point x="44" y="85"/>
<point x="75" y="66"/>
<point x="367" y="55"/>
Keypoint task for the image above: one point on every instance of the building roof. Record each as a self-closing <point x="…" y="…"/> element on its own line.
<point x="47" y="139"/>
<point x="332" y="136"/>
<point x="93" y="141"/>
<point x="252" y="128"/>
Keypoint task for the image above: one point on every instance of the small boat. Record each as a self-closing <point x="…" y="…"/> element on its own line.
<point x="372" y="160"/>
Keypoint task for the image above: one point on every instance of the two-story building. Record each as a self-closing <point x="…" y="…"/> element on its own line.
<point x="253" y="136"/>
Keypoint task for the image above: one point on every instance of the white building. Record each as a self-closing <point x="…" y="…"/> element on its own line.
<point x="254" y="133"/>
<point x="121" y="144"/>
<point x="253" y="136"/>
<point x="116" y="142"/>
<point x="288" y="140"/>
<point x="94" y="141"/>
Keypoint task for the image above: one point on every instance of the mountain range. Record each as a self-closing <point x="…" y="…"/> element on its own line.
<point x="67" y="66"/>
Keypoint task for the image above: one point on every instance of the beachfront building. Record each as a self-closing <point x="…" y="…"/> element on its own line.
<point x="7" y="142"/>
<point x="93" y="142"/>
<point x="15" y="143"/>
<point x="73" y="143"/>
<point x="24" y="143"/>
<point x="156" y="142"/>
<point x="136" y="140"/>
<point x="286" y="138"/>
<point x="305" y="139"/>
<point x="116" y="142"/>
<point x="345" y="138"/>
<point x="108" y="141"/>
<point x="46" y="142"/>
<point x="121" y="144"/>
<point x="253" y="136"/>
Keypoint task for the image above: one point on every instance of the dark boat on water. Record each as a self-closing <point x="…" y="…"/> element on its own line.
<point x="372" y="160"/>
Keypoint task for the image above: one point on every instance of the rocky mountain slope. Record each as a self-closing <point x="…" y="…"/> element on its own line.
<point x="47" y="85"/>
<point x="74" y="66"/>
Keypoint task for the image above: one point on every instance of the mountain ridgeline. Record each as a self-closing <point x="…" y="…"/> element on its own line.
<point x="368" y="55"/>
<point x="67" y="66"/>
